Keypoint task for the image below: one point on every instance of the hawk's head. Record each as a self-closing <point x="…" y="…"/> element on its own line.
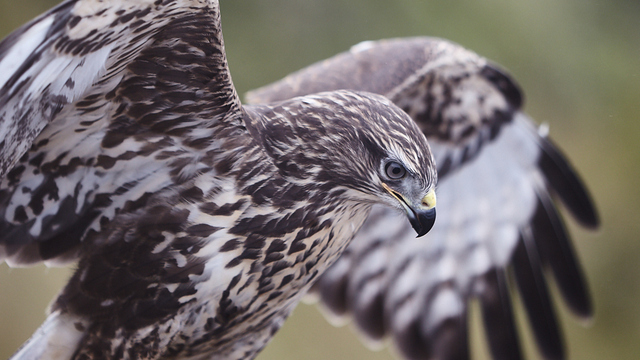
<point x="355" y="146"/>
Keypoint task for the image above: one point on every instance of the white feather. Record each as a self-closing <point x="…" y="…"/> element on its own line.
<point x="29" y="42"/>
<point x="56" y="339"/>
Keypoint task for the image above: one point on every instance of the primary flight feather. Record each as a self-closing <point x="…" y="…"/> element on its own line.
<point x="197" y="223"/>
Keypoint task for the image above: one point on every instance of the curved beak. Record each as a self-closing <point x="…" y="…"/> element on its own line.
<point x="423" y="216"/>
<point x="422" y="220"/>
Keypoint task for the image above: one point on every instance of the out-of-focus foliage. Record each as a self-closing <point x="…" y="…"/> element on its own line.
<point x="579" y="64"/>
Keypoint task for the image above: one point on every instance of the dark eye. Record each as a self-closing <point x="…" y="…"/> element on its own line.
<point x="395" y="170"/>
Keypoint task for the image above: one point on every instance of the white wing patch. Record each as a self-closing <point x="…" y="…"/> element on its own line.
<point x="55" y="61"/>
<point x="29" y="42"/>
<point x="81" y="74"/>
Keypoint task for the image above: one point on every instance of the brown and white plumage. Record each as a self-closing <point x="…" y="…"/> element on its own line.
<point x="197" y="223"/>
<point x="499" y="175"/>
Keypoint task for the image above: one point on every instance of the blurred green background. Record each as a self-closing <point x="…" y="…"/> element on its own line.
<point x="578" y="62"/>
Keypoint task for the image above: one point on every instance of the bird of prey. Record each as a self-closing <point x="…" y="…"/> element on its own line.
<point x="498" y="177"/>
<point x="197" y="223"/>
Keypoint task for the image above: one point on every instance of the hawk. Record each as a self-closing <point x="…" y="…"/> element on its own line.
<point x="196" y="223"/>
<point x="498" y="177"/>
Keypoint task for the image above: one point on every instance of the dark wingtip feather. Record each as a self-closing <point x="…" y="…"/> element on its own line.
<point x="497" y="316"/>
<point x="370" y="317"/>
<point x="565" y="183"/>
<point x="503" y="82"/>
<point x="411" y="342"/>
<point x="555" y="249"/>
<point x="535" y="296"/>
<point x="333" y="294"/>
<point x="16" y="255"/>
<point x="451" y="340"/>
<point x="448" y="342"/>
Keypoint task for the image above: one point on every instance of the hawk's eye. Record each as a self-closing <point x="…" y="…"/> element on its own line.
<point x="394" y="170"/>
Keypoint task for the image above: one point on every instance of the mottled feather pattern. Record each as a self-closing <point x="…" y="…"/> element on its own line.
<point x="231" y="284"/>
<point x="197" y="223"/>
<point x="59" y="59"/>
<point x="498" y="174"/>
<point x="95" y="157"/>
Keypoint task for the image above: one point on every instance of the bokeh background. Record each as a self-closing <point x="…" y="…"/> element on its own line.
<point x="579" y="64"/>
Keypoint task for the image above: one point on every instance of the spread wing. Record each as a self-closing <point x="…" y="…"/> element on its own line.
<point x="497" y="216"/>
<point x="97" y="113"/>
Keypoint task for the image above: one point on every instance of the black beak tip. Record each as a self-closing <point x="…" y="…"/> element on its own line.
<point x="423" y="222"/>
